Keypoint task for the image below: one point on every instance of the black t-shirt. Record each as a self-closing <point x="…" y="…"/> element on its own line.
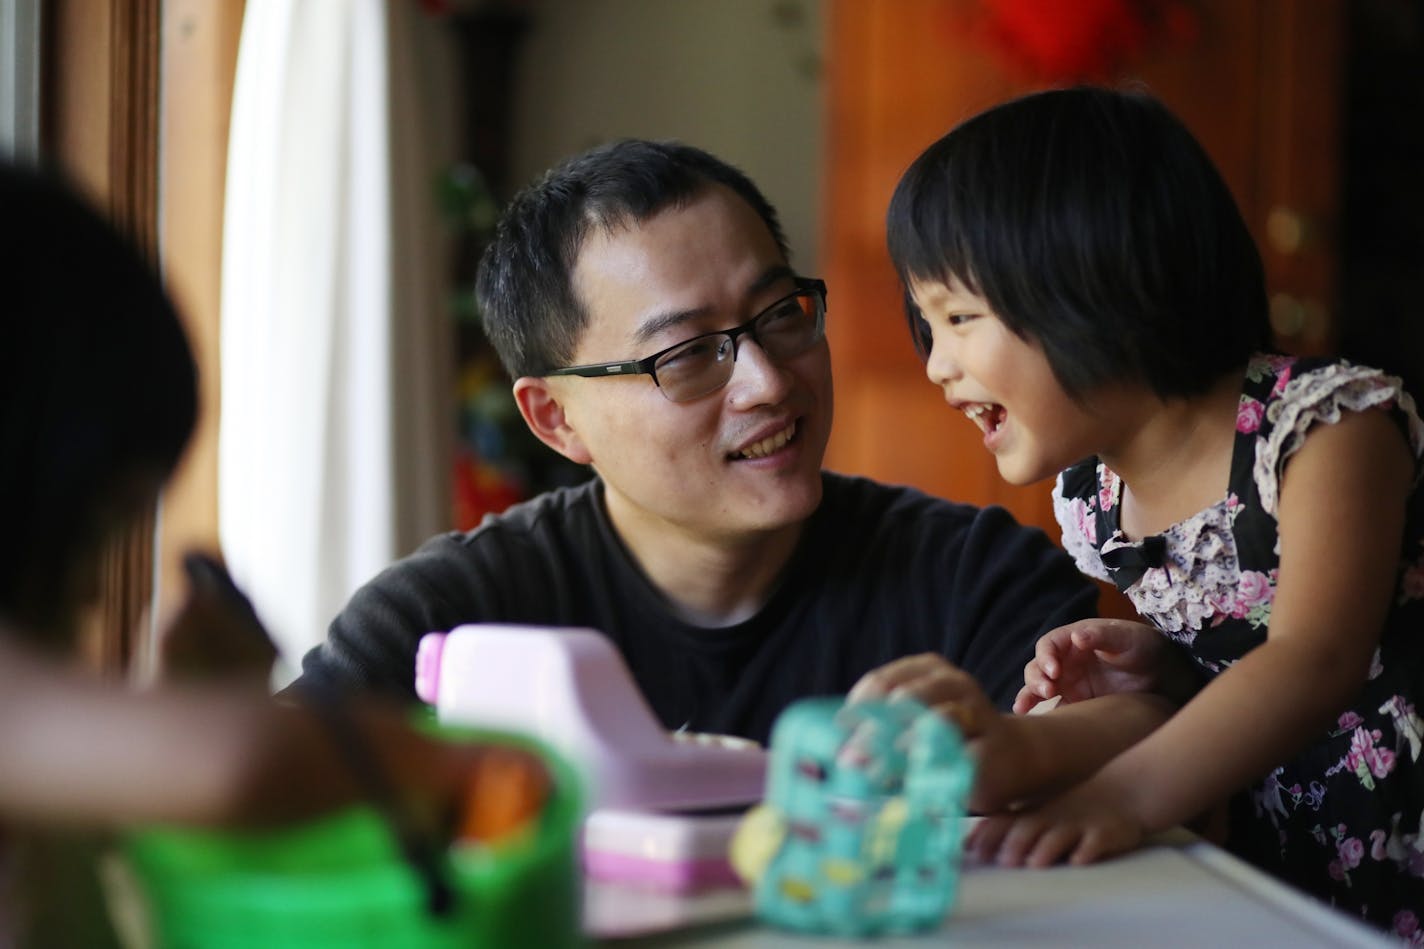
<point x="880" y="572"/>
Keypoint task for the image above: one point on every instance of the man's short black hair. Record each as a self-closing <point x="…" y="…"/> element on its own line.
<point x="525" y="283"/>
<point x="1094" y="223"/>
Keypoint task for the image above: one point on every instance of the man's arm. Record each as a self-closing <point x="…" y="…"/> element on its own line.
<point x="371" y="644"/>
<point x="1011" y="585"/>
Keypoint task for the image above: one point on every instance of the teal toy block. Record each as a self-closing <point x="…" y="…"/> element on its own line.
<point x="871" y="800"/>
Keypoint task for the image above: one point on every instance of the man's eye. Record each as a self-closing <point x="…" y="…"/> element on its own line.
<point x="787" y="315"/>
<point x="694" y="352"/>
<point x="783" y="310"/>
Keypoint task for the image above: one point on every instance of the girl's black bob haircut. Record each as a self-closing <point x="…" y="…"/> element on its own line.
<point x="1093" y="223"/>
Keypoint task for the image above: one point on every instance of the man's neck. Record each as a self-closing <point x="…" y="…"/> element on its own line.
<point x="708" y="580"/>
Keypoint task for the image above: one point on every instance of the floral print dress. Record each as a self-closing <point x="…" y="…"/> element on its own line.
<point x="1344" y="819"/>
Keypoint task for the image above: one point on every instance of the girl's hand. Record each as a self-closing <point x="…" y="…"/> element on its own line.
<point x="215" y="633"/>
<point x="1095" y="657"/>
<point x="1006" y="766"/>
<point x="1087" y="824"/>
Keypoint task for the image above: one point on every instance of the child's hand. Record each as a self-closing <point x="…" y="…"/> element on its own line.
<point x="937" y="684"/>
<point x="1087" y="824"/>
<point x="215" y="633"/>
<point x="1005" y="765"/>
<point x="1095" y="657"/>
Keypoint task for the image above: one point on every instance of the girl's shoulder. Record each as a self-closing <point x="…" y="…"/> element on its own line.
<point x="1284" y="397"/>
<point x="1291" y="390"/>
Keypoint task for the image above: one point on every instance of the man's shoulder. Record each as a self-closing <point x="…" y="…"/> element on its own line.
<point x="557" y="520"/>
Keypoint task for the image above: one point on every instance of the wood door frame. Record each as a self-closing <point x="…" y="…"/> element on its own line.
<point x="135" y="96"/>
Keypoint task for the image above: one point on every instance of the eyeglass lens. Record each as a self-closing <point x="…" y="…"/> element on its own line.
<point x="704" y="364"/>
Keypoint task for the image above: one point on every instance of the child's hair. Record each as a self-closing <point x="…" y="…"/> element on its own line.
<point x="98" y="390"/>
<point x="525" y="282"/>
<point x="1093" y="223"/>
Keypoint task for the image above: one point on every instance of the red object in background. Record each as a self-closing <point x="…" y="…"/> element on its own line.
<point x="480" y="488"/>
<point x="1076" y="40"/>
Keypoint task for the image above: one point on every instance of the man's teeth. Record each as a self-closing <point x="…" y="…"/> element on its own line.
<point x="768" y="445"/>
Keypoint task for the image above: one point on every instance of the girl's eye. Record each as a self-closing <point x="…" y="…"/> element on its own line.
<point x="959" y="319"/>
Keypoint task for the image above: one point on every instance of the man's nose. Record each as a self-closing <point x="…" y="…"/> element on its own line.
<point x="757" y="379"/>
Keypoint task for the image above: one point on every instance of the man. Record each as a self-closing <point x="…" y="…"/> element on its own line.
<point x="641" y="298"/>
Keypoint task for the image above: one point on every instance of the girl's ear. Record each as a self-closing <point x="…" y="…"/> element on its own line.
<point x="544" y="414"/>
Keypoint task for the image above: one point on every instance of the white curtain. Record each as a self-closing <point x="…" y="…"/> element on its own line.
<point x="333" y="447"/>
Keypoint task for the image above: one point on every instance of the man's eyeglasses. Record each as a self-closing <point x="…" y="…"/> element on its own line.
<point x="703" y="364"/>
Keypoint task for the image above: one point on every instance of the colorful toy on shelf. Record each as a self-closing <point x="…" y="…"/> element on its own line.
<point x="862" y="826"/>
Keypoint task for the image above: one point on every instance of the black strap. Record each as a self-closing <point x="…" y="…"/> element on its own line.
<point x="420" y="851"/>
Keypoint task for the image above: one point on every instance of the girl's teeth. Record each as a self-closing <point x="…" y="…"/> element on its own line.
<point x="980" y="414"/>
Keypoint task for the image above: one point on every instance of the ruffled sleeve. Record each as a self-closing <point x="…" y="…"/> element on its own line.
<point x="1075" y="506"/>
<point x="1299" y="400"/>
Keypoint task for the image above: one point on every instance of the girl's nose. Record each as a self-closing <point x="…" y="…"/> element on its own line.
<point x="940" y="367"/>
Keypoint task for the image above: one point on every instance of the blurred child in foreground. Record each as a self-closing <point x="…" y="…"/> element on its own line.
<point x="97" y="401"/>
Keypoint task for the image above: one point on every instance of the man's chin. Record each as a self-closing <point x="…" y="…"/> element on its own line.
<point x="792" y="505"/>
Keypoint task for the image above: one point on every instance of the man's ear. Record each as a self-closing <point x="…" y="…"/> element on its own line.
<point x="544" y="414"/>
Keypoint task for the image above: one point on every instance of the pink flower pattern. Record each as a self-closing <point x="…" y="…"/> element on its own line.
<point x="1406" y="926"/>
<point x="1107" y="493"/>
<point x="1249" y="415"/>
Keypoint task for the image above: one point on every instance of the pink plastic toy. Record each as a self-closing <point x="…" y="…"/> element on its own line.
<point x="571" y="688"/>
<point x="671" y="852"/>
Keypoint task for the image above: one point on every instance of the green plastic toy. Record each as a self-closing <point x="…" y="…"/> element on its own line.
<point x="343" y="881"/>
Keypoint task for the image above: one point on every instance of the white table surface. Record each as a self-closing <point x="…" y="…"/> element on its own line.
<point x="1180" y="891"/>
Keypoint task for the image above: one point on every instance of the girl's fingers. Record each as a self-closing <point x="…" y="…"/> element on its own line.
<point x="1025" y="701"/>
<point x="1112" y="637"/>
<point x="1103" y="842"/>
<point x="1020" y="840"/>
<point x="1047" y="652"/>
<point x="985" y="837"/>
<point x="1053" y="844"/>
<point x="1038" y="682"/>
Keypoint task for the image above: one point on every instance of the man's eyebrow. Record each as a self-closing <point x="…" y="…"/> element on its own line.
<point x="660" y="322"/>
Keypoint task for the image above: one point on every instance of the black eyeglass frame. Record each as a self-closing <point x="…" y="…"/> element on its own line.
<point x="647" y="366"/>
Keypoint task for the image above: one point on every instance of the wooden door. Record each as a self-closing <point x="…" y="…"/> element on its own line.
<point x="1258" y="82"/>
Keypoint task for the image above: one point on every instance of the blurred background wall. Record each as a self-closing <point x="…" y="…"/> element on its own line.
<point x="1313" y="109"/>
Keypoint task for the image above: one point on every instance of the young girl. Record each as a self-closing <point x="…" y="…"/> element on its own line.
<point x="1087" y="293"/>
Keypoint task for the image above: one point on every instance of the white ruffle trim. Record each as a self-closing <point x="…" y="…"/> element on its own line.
<point x="1321" y="396"/>
<point x="1079" y="526"/>
<point x="1201" y="573"/>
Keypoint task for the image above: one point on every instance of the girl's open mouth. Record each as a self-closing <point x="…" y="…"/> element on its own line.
<point x="986" y="415"/>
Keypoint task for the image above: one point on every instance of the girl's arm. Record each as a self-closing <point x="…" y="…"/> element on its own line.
<point x="1341" y="515"/>
<point x="77" y="751"/>
<point x="1019" y="757"/>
